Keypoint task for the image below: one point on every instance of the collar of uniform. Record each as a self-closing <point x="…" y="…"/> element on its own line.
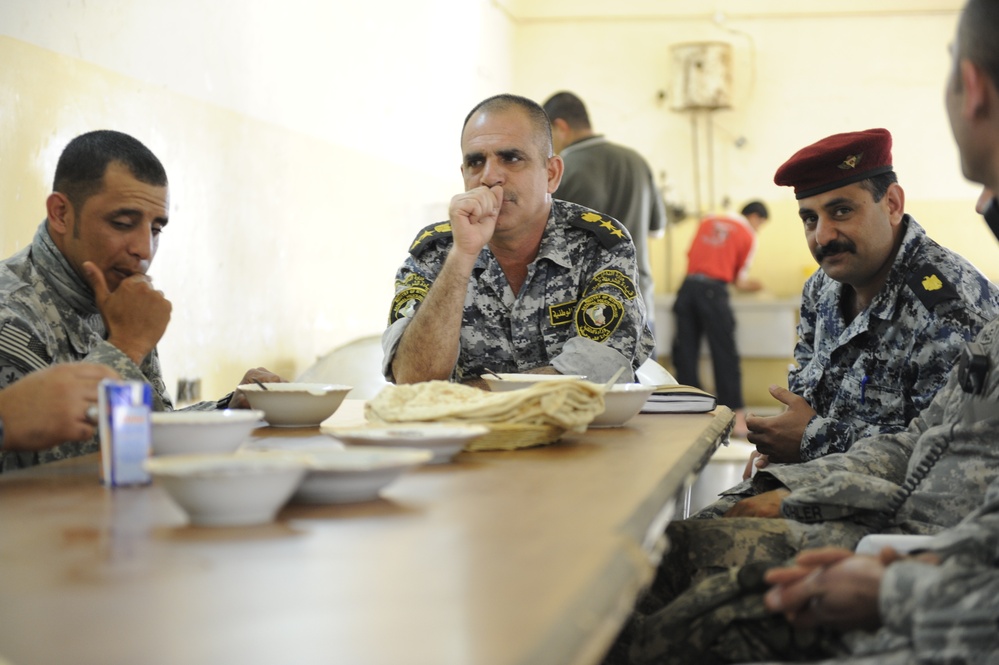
<point x="61" y="277"/>
<point x="553" y="244"/>
<point x="554" y="241"/>
<point x="582" y="144"/>
<point x="883" y="305"/>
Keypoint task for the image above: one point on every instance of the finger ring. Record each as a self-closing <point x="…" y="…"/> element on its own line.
<point x="91" y="414"/>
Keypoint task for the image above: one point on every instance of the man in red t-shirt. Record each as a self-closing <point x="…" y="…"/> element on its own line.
<point x="719" y="255"/>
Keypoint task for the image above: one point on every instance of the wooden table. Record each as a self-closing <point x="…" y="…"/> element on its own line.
<point x="526" y="557"/>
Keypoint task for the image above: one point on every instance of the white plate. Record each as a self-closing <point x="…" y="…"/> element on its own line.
<point x="444" y="440"/>
<point x="355" y="474"/>
<point x="517" y="381"/>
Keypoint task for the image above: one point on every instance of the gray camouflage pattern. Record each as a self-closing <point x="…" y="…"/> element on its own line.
<point x="48" y="316"/>
<point x="904" y="346"/>
<point x="951" y="448"/>
<point x="579" y="309"/>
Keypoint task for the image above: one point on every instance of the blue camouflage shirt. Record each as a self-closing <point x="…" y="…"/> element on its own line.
<point x="876" y="373"/>
<point x="578" y="310"/>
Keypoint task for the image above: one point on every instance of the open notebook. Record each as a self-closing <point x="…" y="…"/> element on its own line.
<point x="679" y="399"/>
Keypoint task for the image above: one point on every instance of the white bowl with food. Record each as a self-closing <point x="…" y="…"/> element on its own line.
<point x="501" y="381"/>
<point x="229" y="490"/>
<point x="355" y="473"/>
<point x="444" y="440"/>
<point x="295" y="404"/>
<point x="187" y="432"/>
<point x="622" y="402"/>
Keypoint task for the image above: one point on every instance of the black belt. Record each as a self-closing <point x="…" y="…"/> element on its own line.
<point x="698" y="277"/>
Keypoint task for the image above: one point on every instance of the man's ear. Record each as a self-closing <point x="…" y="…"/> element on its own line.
<point x="555" y="169"/>
<point x="60" y="213"/>
<point x="895" y="199"/>
<point x="974" y="83"/>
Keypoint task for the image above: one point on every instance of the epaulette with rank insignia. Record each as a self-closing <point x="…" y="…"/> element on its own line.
<point x="931" y="289"/>
<point x="607" y="231"/>
<point x="428" y="236"/>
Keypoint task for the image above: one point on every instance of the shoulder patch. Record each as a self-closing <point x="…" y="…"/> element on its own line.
<point x="607" y="231"/>
<point x="930" y="286"/>
<point x="428" y="236"/>
<point x="21" y="349"/>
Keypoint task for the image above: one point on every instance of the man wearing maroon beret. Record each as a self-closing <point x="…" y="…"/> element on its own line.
<point x="706" y="602"/>
<point x="885" y="318"/>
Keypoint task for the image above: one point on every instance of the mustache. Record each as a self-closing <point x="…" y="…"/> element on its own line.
<point x="834" y="247"/>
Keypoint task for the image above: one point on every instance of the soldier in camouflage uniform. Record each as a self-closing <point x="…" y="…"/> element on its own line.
<point x="921" y="480"/>
<point x="79" y="291"/>
<point x="861" y="374"/>
<point x="516" y="281"/>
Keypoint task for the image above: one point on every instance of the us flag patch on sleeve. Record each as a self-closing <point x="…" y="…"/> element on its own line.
<point x="22" y="349"/>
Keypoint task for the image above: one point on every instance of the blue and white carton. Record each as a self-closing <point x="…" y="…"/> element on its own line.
<point x="125" y="431"/>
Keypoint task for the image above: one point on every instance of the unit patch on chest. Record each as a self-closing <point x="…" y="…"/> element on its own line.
<point x="598" y="316"/>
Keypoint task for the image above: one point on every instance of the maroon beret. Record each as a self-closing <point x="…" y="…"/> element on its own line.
<point x="836" y="161"/>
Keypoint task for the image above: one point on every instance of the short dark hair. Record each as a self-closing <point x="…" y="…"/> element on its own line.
<point x="976" y="33"/>
<point x="568" y="107"/>
<point x="536" y="114"/>
<point x="80" y="171"/>
<point x="879" y="184"/>
<point x="755" y="208"/>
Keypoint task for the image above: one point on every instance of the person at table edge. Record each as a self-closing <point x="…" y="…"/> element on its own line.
<point x="80" y="292"/>
<point x="516" y="281"/>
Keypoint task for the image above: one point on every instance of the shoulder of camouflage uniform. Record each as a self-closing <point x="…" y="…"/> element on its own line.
<point x="430" y="235"/>
<point x="931" y="285"/>
<point x="606" y="229"/>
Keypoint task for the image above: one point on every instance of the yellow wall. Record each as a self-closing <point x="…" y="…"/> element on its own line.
<point x="307" y="142"/>
<point x="280" y="246"/>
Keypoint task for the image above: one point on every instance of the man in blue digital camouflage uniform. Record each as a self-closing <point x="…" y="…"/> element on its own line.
<point x="884" y="319"/>
<point x="939" y="476"/>
<point x="516" y="281"/>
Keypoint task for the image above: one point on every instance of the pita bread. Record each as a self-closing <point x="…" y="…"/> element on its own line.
<point x="544" y="410"/>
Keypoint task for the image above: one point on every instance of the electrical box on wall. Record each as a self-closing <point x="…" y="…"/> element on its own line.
<point x="702" y="76"/>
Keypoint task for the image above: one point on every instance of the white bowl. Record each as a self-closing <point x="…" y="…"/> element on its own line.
<point x="355" y="474"/>
<point x="296" y="404"/>
<point x="444" y="440"/>
<point x="621" y="403"/>
<point x="229" y="490"/>
<point x="517" y="381"/>
<point x="185" y="432"/>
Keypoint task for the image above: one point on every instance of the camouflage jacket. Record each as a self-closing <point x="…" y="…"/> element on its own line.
<point x="579" y="309"/>
<point x="877" y="372"/>
<point x="920" y="480"/>
<point x="48" y="316"/>
<point x="949" y="612"/>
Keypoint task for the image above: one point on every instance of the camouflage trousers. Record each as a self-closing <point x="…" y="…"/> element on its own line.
<point x="706" y="602"/>
<point x="721" y="620"/>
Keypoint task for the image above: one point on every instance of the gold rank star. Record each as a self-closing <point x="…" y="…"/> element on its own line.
<point x="617" y="232"/>
<point x="607" y="224"/>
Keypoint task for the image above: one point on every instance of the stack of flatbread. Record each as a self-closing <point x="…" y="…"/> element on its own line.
<point x="530" y="416"/>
